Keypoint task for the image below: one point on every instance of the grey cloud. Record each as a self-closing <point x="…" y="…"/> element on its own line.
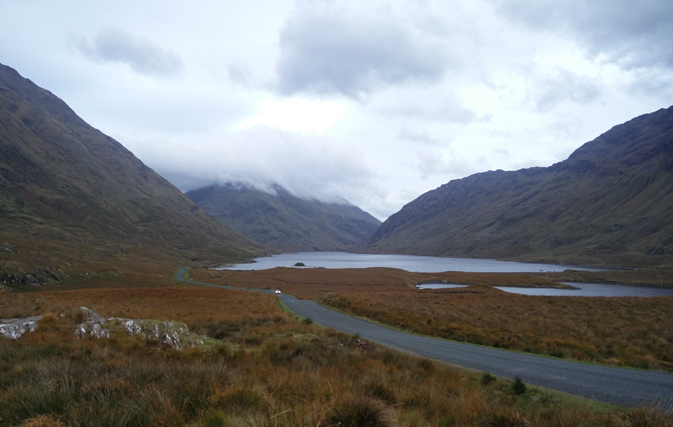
<point x="655" y="83"/>
<point x="308" y="166"/>
<point x="631" y="34"/>
<point x="564" y="86"/>
<point x="144" y="57"/>
<point x="431" y="162"/>
<point x="337" y="54"/>
<point x="448" y="113"/>
<point x="239" y="75"/>
<point x="417" y="136"/>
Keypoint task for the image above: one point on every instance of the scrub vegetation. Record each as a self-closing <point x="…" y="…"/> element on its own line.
<point x="636" y="332"/>
<point x="267" y="370"/>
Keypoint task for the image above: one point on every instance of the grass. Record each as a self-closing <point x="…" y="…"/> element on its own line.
<point x="270" y="370"/>
<point x="635" y="332"/>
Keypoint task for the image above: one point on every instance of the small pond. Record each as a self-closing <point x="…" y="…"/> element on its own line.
<point x="584" y="290"/>
<point x="593" y="290"/>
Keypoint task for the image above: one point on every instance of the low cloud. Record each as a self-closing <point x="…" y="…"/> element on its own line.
<point x="143" y="56"/>
<point x="332" y="52"/>
<point x="308" y="166"/>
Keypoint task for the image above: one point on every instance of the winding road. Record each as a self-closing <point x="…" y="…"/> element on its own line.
<point x="619" y="386"/>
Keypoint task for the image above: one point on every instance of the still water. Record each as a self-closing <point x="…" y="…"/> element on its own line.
<point x="439" y="286"/>
<point x="416" y="264"/>
<point x="593" y="290"/>
<point x="584" y="290"/>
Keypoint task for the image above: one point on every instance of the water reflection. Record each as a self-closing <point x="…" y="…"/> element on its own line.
<point x="593" y="290"/>
<point x="439" y="286"/>
<point x="415" y="264"/>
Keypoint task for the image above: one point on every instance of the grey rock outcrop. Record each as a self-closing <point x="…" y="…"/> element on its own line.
<point x="171" y="334"/>
<point x="14" y="328"/>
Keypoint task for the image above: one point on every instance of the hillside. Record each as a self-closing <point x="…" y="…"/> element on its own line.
<point x="68" y="191"/>
<point x="285" y="222"/>
<point x="610" y="203"/>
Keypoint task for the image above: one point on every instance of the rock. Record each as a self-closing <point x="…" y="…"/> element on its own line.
<point x="171" y="334"/>
<point x="14" y="328"/>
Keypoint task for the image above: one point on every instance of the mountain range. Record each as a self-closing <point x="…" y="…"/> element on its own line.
<point x="70" y="195"/>
<point x="68" y="190"/>
<point x="609" y="203"/>
<point x="284" y="222"/>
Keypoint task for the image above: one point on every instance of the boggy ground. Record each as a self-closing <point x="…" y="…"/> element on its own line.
<point x="635" y="332"/>
<point x="268" y="370"/>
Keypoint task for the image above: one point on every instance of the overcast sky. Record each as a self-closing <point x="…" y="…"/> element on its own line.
<point x="374" y="103"/>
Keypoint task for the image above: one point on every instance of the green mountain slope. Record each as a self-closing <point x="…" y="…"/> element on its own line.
<point x="67" y="188"/>
<point x="610" y="202"/>
<point x="285" y="222"/>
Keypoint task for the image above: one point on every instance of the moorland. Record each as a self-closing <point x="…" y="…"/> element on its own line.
<point x="635" y="332"/>
<point x="266" y="369"/>
<point x="87" y="224"/>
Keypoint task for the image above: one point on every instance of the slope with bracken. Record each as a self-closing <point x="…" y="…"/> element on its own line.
<point x="68" y="191"/>
<point x="286" y="222"/>
<point x="609" y="203"/>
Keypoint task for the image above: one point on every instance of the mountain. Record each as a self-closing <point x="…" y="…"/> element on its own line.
<point x="609" y="203"/>
<point x="67" y="189"/>
<point x="285" y="222"/>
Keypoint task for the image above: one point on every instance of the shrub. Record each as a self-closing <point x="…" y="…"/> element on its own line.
<point x="307" y="321"/>
<point x="487" y="379"/>
<point x="506" y="419"/>
<point x="518" y="386"/>
<point x="215" y="419"/>
<point x="358" y="412"/>
<point x="448" y="421"/>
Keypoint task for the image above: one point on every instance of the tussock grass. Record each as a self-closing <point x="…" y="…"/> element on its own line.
<point x="635" y="332"/>
<point x="194" y="305"/>
<point x="270" y="370"/>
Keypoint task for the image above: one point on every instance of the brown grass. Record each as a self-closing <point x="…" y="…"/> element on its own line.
<point x="278" y="373"/>
<point x="634" y="332"/>
<point x="311" y="283"/>
<point x="189" y="304"/>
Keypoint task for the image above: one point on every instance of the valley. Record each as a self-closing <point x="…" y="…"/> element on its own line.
<point x="84" y="223"/>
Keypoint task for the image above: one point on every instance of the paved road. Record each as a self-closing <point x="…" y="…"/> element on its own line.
<point x="628" y="387"/>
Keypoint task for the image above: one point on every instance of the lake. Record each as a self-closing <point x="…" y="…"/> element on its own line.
<point x="416" y="264"/>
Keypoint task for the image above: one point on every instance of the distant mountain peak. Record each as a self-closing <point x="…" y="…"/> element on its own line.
<point x="284" y="221"/>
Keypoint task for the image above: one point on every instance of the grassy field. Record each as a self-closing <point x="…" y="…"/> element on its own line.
<point x="635" y="332"/>
<point x="269" y="370"/>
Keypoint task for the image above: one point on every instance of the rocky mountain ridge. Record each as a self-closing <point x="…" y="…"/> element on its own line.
<point x="609" y="203"/>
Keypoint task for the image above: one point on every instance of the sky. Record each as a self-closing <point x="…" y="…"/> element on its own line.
<point x="374" y="102"/>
